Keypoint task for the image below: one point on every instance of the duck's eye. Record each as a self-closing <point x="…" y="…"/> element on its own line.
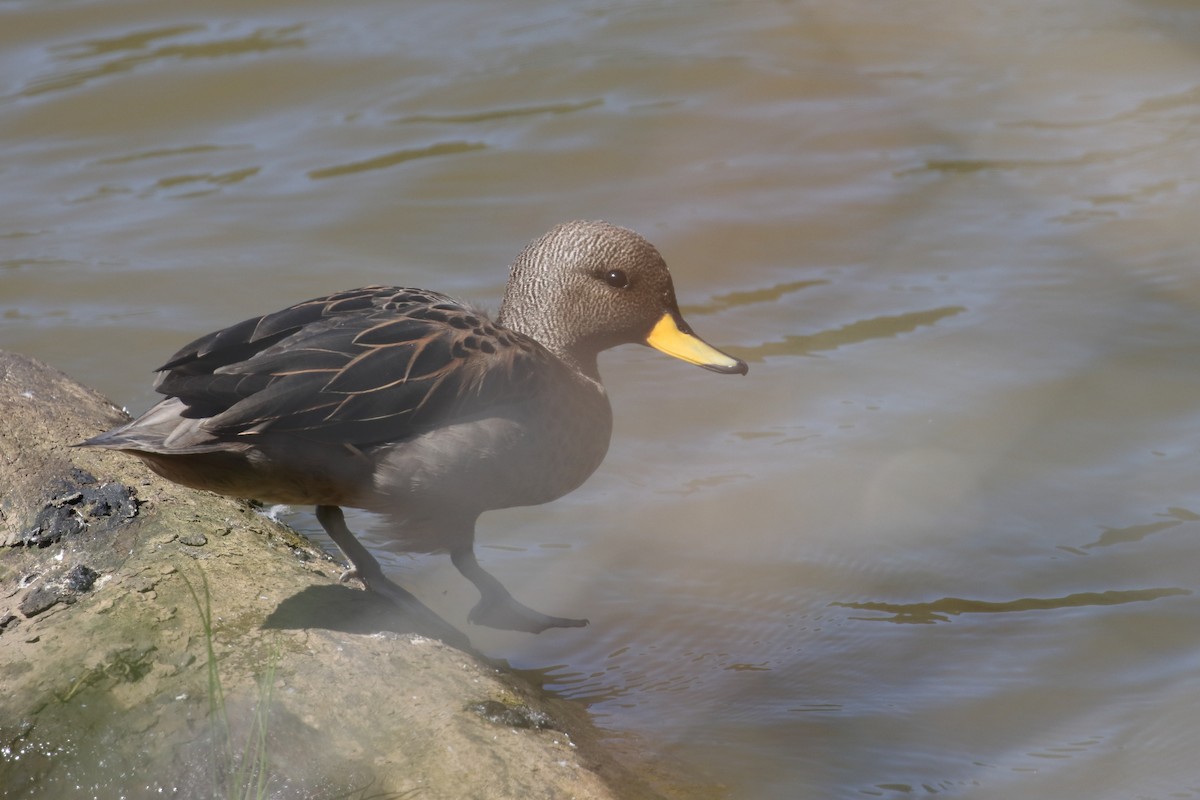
<point x="617" y="279"/>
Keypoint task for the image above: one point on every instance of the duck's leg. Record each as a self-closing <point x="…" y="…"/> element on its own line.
<point x="496" y="607"/>
<point x="367" y="569"/>
<point x="362" y="564"/>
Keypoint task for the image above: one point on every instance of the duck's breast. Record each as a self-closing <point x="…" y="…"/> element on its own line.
<point x="515" y="457"/>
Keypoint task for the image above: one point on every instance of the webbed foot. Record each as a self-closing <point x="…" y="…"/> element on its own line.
<point x="497" y="608"/>
<point x="509" y="615"/>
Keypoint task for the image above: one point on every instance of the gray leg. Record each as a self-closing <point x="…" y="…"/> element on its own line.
<point x="367" y="569"/>
<point x="362" y="564"/>
<point x="496" y="607"/>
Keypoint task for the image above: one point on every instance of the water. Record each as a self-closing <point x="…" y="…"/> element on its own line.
<point x="941" y="539"/>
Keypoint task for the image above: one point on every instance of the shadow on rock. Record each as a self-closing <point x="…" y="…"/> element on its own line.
<point x="341" y="608"/>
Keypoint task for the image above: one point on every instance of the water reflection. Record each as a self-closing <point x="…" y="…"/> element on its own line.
<point x="397" y="157"/>
<point x="171" y="152"/>
<point x="768" y="294"/>
<point x="141" y="48"/>
<point x="492" y="115"/>
<point x="1136" y="533"/>
<point x="885" y="327"/>
<point x="945" y="608"/>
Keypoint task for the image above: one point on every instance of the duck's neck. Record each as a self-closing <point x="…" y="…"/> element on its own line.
<point x="579" y="358"/>
<point x="519" y="313"/>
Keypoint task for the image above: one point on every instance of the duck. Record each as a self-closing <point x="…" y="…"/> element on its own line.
<point x="418" y="406"/>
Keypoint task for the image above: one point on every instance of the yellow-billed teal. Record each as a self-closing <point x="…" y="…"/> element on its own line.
<point x="415" y="405"/>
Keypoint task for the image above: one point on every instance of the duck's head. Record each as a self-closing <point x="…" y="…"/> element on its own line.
<point x="587" y="286"/>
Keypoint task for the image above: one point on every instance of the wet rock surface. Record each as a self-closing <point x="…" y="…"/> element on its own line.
<point x="512" y="716"/>
<point x="77" y="503"/>
<point x="159" y="642"/>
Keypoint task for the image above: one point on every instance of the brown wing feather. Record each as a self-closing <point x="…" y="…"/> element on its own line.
<point x="361" y="367"/>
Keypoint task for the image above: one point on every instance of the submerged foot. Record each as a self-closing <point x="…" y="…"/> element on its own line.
<point x="509" y="615"/>
<point x="497" y="608"/>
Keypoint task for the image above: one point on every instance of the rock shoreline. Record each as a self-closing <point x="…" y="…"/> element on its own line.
<point x="161" y="642"/>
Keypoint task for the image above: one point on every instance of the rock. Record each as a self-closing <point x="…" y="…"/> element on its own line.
<point x="80" y="579"/>
<point x="39" y="600"/>
<point x="64" y="588"/>
<point x="75" y="504"/>
<point x="147" y="655"/>
<point x="513" y="716"/>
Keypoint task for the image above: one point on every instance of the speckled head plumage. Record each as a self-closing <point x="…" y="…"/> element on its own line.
<point x="586" y="286"/>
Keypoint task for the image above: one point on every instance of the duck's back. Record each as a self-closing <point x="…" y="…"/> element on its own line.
<point x="412" y="380"/>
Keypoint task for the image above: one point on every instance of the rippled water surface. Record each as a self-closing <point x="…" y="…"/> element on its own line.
<point x="943" y="538"/>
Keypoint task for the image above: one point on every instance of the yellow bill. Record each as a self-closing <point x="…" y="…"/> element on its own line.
<point x="673" y="336"/>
